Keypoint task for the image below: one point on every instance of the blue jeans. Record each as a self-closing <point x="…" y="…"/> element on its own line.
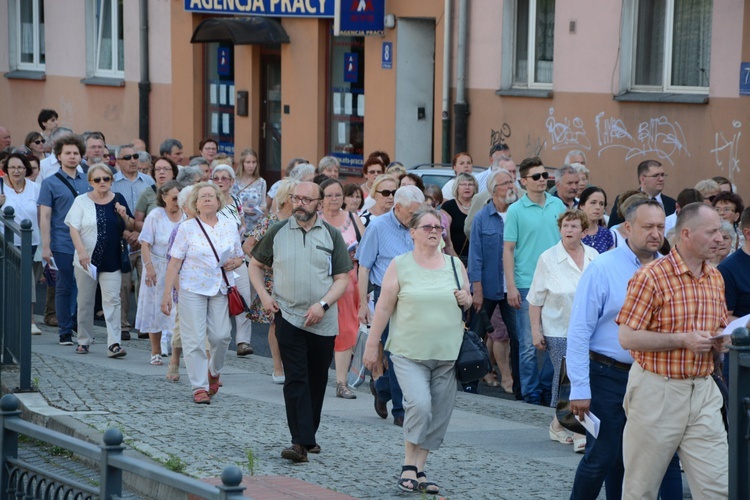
<point x="66" y="293"/>
<point x="534" y="382"/>
<point x="602" y="462"/>
<point x="387" y="385"/>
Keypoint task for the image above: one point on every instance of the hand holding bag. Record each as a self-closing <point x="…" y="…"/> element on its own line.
<point x="237" y="304"/>
<point x="473" y="361"/>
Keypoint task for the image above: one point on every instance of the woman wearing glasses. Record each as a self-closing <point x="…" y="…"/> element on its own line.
<point x="424" y="304"/>
<point x="457" y="209"/>
<point x="35" y="142"/>
<point x="163" y="171"/>
<point x="382" y="192"/>
<point x="97" y="220"/>
<point x="351" y="229"/>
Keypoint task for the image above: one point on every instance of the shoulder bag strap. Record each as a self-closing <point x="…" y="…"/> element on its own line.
<point x="458" y="285"/>
<point x="356" y="228"/>
<point x="67" y="183"/>
<point x="212" y="248"/>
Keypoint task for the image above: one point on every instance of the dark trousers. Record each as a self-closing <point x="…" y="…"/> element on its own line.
<point x="602" y="462"/>
<point x="66" y="293"/>
<point x="508" y="313"/>
<point x="387" y="386"/>
<point x="306" y="358"/>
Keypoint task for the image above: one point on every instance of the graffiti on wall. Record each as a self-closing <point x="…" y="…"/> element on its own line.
<point x="726" y="148"/>
<point x="657" y="136"/>
<point x="567" y="133"/>
<point x="500" y="136"/>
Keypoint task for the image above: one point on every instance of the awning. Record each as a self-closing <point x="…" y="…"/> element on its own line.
<point x="240" y="31"/>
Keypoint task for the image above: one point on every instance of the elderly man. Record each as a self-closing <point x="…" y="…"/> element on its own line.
<point x="5" y="140"/>
<point x="386" y="237"/>
<point x="486" y="269"/>
<point x="310" y="263"/>
<point x="651" y="178"/>
<point x="530" y="229"/>
<point x="567" y="180"/>
<point x="483" y="196"/>
<point x="673" y="310"/>
<point x="597" y="365"/>
<point x="130" y="183"/>
<point x="172" y="149"/>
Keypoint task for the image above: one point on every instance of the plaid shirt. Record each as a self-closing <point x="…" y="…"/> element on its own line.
<point x="666" y="297"/>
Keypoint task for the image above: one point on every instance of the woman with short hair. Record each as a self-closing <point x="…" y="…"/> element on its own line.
<point x="457" y="209"/>
<point x="382" y="193"/>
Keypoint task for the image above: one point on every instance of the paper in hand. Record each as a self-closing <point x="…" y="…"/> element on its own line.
<point x="591" y="423"/>
<point x="738" y="323"/>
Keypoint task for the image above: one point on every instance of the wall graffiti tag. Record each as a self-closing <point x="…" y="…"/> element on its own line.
<point x="657" y="136"/>
<point x="500" y="136"/>
<point x="567" y="134"/>
<point x="726" y="150"/>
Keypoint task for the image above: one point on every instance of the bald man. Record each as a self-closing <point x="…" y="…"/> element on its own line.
<point x="4" y="138"/>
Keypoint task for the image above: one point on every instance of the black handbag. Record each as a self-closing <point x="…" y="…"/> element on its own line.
<point x="564" y="415"/>
<point x="473" y="361"/>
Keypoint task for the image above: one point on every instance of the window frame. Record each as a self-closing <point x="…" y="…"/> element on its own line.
<point x="15" y="33"/>
<point x="94" y="42"/>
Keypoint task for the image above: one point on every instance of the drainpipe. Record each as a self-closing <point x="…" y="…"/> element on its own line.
<point x="461" y="108"/>
<point x="447" y="49"/>
<point x="144" y="85"/>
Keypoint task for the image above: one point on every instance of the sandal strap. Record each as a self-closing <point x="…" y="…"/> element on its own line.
<point x="406" y="468"/>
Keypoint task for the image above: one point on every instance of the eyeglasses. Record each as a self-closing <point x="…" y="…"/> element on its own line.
<point x="334" y="196"/>
<point x="16" y="167"/>
<point x="657" y="176"/>
<point x="221" y="179"/>
<point x="97" y="180"/>
<point x="536" y="177"/>
<point x="374" y="172"/>
<point x="387" y="192"/>
<point x="39" y="141"/>
<point x="130" y="157"/>
<point x="163" y="169"/>
<point x="427" y="228"/>
<point x="304" y="200"/>
<point x="724" y="210"/>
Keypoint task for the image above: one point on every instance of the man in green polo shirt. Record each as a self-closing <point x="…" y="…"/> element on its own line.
<point x="310" y="263"/>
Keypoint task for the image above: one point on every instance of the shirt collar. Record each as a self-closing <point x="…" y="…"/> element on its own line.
<point x="527" y="201"/>
<point x="394" y="220"/>
<point x="681" y="267"/>
<point x="631" y="256"/>
<point x="293" y="224"/>
<point x="120" y="176"/>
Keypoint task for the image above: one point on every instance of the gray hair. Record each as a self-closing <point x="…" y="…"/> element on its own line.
<point x="707" y="186"/>
<point x="466" y="177"/>
<point x="492" y="181"/>
<point x="406" y="195"/>
<point x="187" y="176"/>
<point x="184" y="195"/>
<point x="166" y="146"/>
<point x="421" y="212"/>
<point x="565" y="169"/>
<point x="301" y="171"/>
<point x="198" y="160"/>
<point x="293" y="163"/>
<point x="120" y="148"/>
<point x="59" y="133"/>
<point x="144" y="157"/>
<point x="727" y="228"/>
<point x="285" y="189"/>
<point x="571" y="154"/>
<point x="326" y="162"/>
<point x="223" y="167"/>
<point x="580" y="168"/>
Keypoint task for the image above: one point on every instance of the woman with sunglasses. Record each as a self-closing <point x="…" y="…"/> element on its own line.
<point x="457" y="209"/>
<point x="162" y="171"/>
<point x="35" y="142"/>
<point x="97" y="220"/>
<point x="382" y="192"/>
<point x="421" y="297"/>
<point x="22" y="194"/>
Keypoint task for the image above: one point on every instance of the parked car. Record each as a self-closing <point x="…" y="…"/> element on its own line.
<point x="437" y="173"/>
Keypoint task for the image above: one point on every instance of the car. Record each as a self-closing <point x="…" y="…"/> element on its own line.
<point x="437" y="173"/>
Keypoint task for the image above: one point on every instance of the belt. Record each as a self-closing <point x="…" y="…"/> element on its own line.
<point x="606" y="360"/>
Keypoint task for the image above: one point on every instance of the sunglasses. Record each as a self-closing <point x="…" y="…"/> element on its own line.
<point x="536" y="177"/>
<point x="387" y="192"/>
<point x="39" y="141"/>
<point x="97" y="180"/>
<point x="130" y="157"/>
<point x="428" y="228"/>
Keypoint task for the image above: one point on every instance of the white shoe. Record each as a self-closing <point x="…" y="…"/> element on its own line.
<point x="35" y="329"/>
<point x="280" y="379"/>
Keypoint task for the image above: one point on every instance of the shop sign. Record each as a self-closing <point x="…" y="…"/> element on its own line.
<point x="223" y="63"/>
<point x="275" y="8"/>
<point x="387" y="56"/>
<point x="351" y="66"/>
<point x="359" y="17"/>
<point x="744" y="78"/>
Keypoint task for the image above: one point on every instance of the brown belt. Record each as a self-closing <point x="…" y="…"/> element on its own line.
<point x="606" y="360"/>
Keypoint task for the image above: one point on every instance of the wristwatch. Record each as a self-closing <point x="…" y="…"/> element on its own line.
<point x="324" y="305"/>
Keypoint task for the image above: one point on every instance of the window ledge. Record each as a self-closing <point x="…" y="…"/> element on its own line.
<point x="104" y="81"/>
<point x="662" y="97"/>
<point x="26" y="74"/>
<point x="536" y="93"/>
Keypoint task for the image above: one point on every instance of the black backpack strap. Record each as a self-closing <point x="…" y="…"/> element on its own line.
<point x="67" y="183"/>
<point x="356" y="228"/>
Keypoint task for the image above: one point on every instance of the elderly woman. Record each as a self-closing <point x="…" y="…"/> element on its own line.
<point x="154" y="239"/>
<point x="409" y="179"/>
<point x="97" y="220"/>
<point x="22" y="194"/>
<point x="551" y="300"/>
<point x="725" y="247"/>
<point x="250" y="188"/>
<point x="223" y="176"/>
<point x="190" y="175"/>
<point x="729" y="206"/>
<point x="462" y="164"/>
<point x="421" y="297"/>
<point x="163" y="171"/>
<point x="257" y="312"/>
<point x="383" y="190"/>
<point x="351" y="229"/>
<point x="203" y="305"/>
<point x="709" y="188"/>
<point x="329" y="166"/>
<point x="593" y="202"/>
<point x="457" y="209"/>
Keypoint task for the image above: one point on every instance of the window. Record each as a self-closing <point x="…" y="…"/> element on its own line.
<point x="27" y="35"/>
<point x="671" y="46"/>
<point x="107" y="40"/>
<point x="534" y="40"/>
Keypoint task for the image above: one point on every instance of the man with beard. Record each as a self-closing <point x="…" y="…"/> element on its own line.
<point x="310" y="263"/>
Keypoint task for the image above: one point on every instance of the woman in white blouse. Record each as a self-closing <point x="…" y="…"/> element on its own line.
<point x="551" y="300"/>
<point x="203" y="305"/>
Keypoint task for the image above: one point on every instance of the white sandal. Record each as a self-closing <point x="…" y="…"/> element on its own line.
<point x="156" y="360"/>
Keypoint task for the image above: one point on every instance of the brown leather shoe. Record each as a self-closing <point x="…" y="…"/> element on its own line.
<point x="51" y="321"/>
<point x="296" y="453"/>
<point x="244" y="349"/>
<point x="380" y="407"/>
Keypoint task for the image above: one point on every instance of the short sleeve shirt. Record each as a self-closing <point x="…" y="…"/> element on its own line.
<point x="56" y="195"/>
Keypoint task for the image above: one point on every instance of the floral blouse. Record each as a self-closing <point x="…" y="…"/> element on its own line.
<point x="251" y="195"/>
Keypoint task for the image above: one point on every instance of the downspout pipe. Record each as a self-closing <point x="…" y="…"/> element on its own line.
<point x="447" y="50"/>
<point x="144" y="85"/>
<point x="461" y="108"/>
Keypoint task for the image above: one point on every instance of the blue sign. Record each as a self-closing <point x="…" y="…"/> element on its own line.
<point x="360" y="17"/>
<point x="223" y="62"/>
<point x="351" y="67"/>
<point x="274" y="8"/>
<point x="350" y="163"/>
<point x="387" y="55"/>
<point x="744" y="78"/>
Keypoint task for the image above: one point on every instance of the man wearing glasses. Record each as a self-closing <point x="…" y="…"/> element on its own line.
<point x="651" y="177"/>
<point x="310" y="263"/>
<point x="130" y="183"/>
<point x="530" y="229"/>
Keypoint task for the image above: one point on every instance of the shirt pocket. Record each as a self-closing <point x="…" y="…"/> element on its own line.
<point x="326" y="255"/>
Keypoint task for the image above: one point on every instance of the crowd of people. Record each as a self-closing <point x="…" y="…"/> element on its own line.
<point x="630" y="302"/>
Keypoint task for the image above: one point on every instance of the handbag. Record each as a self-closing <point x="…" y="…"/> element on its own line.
<point x="237" y="304"/>
<point x="357" y="371"/>
<point x="473" y="361"/>
<point x="564" y="415"/>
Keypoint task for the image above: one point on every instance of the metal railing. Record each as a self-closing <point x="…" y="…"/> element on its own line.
<point x="739" y="414"/>
<point x="19" y="479"/>
<point x="15" y="296"/>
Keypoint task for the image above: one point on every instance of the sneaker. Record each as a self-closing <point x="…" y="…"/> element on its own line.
<point x="35" y="329"/>
<point x="115" y="351"/>
<point x="296" y="453"/>
<point x="66" y="339"/>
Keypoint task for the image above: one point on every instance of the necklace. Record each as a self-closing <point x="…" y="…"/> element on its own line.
<point x="465" y="207"/>
<point x="19" y="191"/>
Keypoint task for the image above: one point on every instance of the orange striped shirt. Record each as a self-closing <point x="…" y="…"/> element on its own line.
<point x="666" y="297"/>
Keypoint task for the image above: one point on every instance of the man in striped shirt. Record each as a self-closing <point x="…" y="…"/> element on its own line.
<point x="673" y="310"/>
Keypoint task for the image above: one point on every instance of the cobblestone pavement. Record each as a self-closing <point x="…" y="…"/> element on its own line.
<point x="494" y="448"/>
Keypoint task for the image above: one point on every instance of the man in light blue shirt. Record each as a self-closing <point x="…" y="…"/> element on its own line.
<point x="386" y="237"/>
<point x="597" y="365"/>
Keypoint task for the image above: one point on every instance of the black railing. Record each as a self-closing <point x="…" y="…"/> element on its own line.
<point x="739" y="414"/>
<point x="15" y="296"/>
